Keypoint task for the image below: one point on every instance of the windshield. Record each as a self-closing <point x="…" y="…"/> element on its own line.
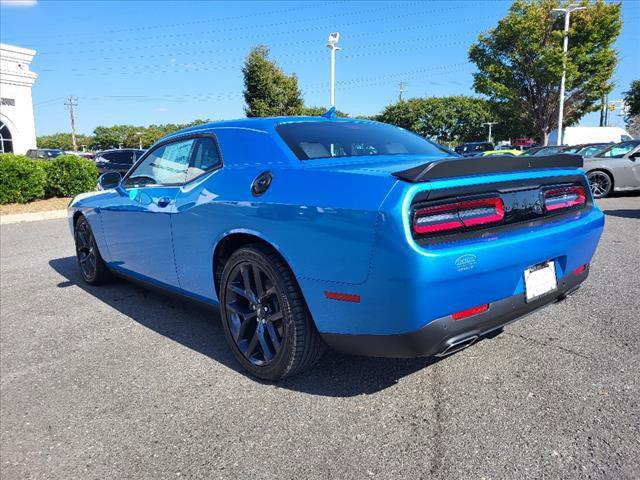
<point x="591" y="151"/>
<point x="618" y="150"/>
<point x="312" y="140"/>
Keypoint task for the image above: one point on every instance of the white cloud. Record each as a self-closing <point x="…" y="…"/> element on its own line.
<point x="161" y="109"/>
<point x="18" y="3"/>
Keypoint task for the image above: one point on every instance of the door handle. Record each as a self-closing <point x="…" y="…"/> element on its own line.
<point x="163" y="202"/>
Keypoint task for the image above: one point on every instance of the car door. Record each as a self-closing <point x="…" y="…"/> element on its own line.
<point x="137" y="217"/>
<point x="197" y="219"/>
<point x="620" y="160"/>
<point x="634" y="166"/>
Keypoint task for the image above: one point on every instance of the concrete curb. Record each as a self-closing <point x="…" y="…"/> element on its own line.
<point x="32" y="217"/>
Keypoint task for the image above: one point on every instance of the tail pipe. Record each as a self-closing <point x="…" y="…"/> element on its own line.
<point x="457" y="345"/>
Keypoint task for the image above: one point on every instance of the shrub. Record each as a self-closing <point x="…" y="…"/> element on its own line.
<point x="21" y="179"/>
<point x="69" y="175"/>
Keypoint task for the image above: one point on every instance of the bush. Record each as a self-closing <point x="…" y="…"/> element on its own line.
<point x="69" y="175"/>
<point x="21" y="179"/>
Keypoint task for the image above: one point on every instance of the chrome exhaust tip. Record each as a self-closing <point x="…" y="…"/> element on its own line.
<point x="457" y="346"/>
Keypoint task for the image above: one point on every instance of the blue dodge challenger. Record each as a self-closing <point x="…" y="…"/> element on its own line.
<point x="316" y="231"/>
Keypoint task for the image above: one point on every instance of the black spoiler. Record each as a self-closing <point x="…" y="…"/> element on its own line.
<point x="466" y="166"/>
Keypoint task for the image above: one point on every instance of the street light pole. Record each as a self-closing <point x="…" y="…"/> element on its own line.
<point x="565" y="46"/>
<point x="490" y="124"/>
<point x="332" y="44"/>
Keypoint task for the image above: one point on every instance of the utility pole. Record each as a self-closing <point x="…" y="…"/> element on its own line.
<point x="332" y="44"/>
<point x="402" y="90"/>
<point x="490" y="125"/>
<point x="71" y="103"/>
<point x="565" y="46"/>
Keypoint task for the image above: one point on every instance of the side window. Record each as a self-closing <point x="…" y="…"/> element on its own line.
<point x="166" y="165"/>
<point x="205" y="157"/>
<point x="106" y="157"/>
<point x="124" y="158"/>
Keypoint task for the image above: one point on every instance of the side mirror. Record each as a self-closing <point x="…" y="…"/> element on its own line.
<point x="109" y="180"/>
<point x="635" y="156"/>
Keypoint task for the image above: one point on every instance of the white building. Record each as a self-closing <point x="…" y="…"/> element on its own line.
<point x="17" y="127"/>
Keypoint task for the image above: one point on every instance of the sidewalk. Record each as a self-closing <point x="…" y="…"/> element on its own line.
<point x="34" y="211"/>
<point x="32" y="217"/>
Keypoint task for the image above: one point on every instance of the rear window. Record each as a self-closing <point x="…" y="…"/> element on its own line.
<point x="312" y="140"/>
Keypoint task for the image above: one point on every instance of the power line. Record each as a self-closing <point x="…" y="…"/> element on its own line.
<point x="213" y="36"/>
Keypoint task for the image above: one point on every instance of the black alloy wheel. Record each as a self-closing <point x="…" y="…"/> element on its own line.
<point x="254" y="313"/>
<point x="92" y="267"/>
<point x="600" y="183"/>
<point x="265" y="318"/>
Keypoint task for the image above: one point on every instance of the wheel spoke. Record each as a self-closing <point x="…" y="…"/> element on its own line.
<point x="240" y="291"/>
<point x="246" y="281"/>
<point x="252" y="345"/>
<point x="275" y="317"/>
<point x="268" y="292"/>
<point x="273" y="335"/>
<point x="245" y="318"/>
<point x="257" y="278"/>
<point x="266" y="350"/>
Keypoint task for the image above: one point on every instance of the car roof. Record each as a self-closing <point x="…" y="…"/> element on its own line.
<point x="122" y="150"/>
<point x="261" y="123"/>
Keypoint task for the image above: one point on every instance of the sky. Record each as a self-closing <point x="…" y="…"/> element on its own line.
<point x="146" y="62"/>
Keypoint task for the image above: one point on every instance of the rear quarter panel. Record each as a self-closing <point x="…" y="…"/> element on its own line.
<point x="323" y="223"/>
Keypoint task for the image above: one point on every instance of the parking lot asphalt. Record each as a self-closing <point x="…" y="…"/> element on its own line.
<point x="119" y="382"/>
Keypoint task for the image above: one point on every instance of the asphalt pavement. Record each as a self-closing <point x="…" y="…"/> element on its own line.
<point x="119" y="382"/>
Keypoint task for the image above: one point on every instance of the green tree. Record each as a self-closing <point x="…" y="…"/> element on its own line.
<point x="63" y="141"/>
<point x="520" y="61"/>
<point x="267" y="90"/>
<point x="319" y="111"/>
<point x="115" y="136"/>
<point x="632" y="99"/>
<point x="444" y="119"/>
<point x="632" y="103"/>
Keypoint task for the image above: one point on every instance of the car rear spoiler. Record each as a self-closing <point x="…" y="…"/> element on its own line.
<point x="467" y="166"/>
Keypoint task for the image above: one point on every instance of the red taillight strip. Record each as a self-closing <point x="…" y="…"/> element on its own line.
<point x="565" y="197"/>
<point x="345" y="297"/>
<point x="470" y="312"/>
<point x="451" y="216"/>
<point x="580" y="269"/>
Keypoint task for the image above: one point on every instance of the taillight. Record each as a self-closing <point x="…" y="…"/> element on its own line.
<point x="580" y="269"/>
<point x="452" y="216"/>
<point x="469" y="312"/>
<point x="565" y="197"/>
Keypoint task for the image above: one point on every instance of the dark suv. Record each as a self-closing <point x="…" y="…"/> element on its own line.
<point x="472" y="149"/>
<point x="118" y="160"/>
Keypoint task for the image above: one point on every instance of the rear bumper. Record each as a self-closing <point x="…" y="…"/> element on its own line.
<point x="444" y="334"/>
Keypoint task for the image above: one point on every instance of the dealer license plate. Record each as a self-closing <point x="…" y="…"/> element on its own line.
<point x="540" y="280"/>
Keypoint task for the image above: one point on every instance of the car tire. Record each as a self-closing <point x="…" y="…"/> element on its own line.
<point x="92" y="268"/>
<point x="600" y="183"/>
<point x="265" y="318"/>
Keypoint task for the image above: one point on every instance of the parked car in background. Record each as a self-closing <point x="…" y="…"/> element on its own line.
<point x="616" y="168"/>
<point x="502" y="151"/>
<point x="591" y="149"/>
<point x="586" y="149"/>
<point x="473" y="148"/>
<point x="542" y="151"/>
<point x="87" y="155"/>
<point x="313" y="231"/>
<point x="117" y="160"/>
<point x="580" y="135"/>
<point x="44" y="153"/>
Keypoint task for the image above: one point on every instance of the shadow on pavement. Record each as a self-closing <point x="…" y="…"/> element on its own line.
<point x="198" y="328"/>
<point x="624" y="213"/>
